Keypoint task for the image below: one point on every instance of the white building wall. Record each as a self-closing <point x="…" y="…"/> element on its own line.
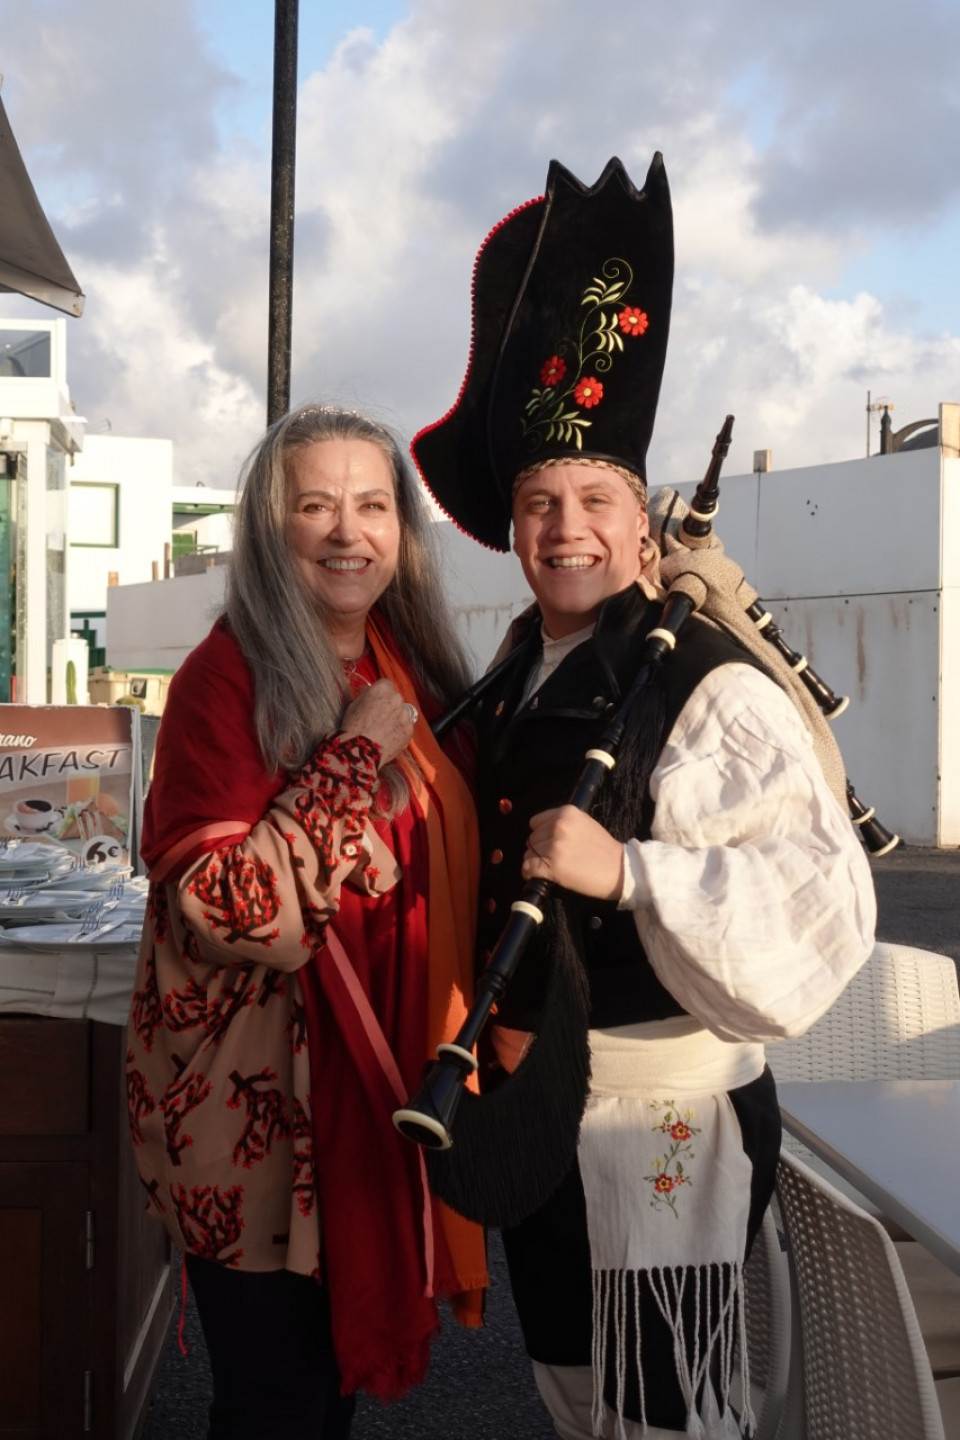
<point x="950" y="658"/>
<point x="859" y="562"/>
<point x="40" y="397"/>
<point x="882" y="651"/>
<point x="37" y="420"/>
<point x="852" y="560"/>
<point x="216" y="530"/>
<point x="155" y="626"/>
<point x="865" y="527"/>
<point x="143" y="471"/>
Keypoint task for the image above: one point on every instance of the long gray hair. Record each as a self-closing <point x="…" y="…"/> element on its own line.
<point x="299" y="686"/>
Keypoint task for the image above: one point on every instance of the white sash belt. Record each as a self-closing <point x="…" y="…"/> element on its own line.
<point x="677" y="1057"/>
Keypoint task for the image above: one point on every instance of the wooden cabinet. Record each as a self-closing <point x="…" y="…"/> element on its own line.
<point x="86" y="1291"/>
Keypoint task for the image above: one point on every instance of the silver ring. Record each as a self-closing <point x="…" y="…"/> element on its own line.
<point x="414" y="714"/>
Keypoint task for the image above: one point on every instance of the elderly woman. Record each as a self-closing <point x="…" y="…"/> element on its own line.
<point x="312" y="856"/>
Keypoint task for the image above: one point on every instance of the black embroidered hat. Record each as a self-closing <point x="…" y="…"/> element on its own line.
<point x="571" y="310"/>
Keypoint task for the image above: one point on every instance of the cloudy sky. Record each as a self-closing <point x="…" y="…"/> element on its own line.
<point x="811" y="152"/>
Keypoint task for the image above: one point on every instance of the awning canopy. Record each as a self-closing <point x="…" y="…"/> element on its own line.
<point x="31" y="261"/>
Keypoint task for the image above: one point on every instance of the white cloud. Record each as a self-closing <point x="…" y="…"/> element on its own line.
<point x="794" y="144"/>
<point x="795" y="370"/>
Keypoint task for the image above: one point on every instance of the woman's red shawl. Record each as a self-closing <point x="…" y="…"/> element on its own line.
<point x="392" y="981"/>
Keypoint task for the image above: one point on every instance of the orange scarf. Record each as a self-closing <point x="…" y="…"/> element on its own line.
<point x="454" y="869"/>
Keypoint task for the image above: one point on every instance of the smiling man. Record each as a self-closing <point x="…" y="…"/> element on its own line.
<point x="578" y="531"/>
<point x="717" y="898"/>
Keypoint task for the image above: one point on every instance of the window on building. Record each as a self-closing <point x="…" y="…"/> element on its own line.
<point x="94" y="514"/>
<point x="24" y="354"/>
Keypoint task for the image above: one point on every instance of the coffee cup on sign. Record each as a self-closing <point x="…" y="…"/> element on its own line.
<point x="34" y="814"/>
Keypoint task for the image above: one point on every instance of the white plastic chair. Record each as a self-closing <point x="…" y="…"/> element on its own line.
<point x="860" y="1370"/>
<point x="768" y="1318"/>
<point x="898" y="1019"/>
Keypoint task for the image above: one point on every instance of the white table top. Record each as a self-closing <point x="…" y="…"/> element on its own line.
<point x="81" y="983"/>
<point x="897" y="1141"/>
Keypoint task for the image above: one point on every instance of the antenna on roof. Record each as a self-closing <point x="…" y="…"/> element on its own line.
<point x="881" y="404"/>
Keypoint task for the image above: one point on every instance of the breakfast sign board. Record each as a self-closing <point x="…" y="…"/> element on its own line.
<point x="69" y="777"/>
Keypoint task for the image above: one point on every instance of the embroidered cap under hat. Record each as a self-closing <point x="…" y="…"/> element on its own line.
<point x="571" y="310"/>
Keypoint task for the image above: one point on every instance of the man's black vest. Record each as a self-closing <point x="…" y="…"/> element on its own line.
<point x="530" y="760"/>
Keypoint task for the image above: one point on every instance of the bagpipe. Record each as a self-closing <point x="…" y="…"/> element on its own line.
<point x="496" y="1157"/>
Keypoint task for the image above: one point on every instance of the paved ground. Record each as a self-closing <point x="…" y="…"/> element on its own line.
<point x="479" y="1387"/>
<point x="918" y="899"/>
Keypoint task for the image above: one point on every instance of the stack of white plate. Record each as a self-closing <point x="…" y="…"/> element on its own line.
<point x="48" y="901"/>
<point x="18" y="906"/>
<point x="111" y="933"/>
<point x="28" y="865"/>
<point x="95" y="878"/>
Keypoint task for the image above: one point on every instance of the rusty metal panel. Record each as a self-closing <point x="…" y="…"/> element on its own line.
<point x="884" y="652"/>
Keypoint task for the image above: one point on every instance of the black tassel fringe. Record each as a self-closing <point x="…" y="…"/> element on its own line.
<point x="625" y="796"/>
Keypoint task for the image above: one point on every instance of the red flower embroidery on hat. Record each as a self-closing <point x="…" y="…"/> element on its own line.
<point x="553" y="371"/>
<point x="589" y="392"/>
<point x="632" y="320"/>
<point x="556" y="410"/>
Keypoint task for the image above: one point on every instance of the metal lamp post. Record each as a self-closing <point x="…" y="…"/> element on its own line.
<point x="280" y="321"/>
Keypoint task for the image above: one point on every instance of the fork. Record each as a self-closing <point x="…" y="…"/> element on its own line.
<point x="90" y="918"/>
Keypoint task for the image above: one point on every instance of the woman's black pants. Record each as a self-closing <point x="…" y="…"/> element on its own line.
<point x="274" y="1372"/>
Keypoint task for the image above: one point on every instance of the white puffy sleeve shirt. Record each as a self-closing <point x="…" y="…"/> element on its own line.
<point x="753" y="897"/>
